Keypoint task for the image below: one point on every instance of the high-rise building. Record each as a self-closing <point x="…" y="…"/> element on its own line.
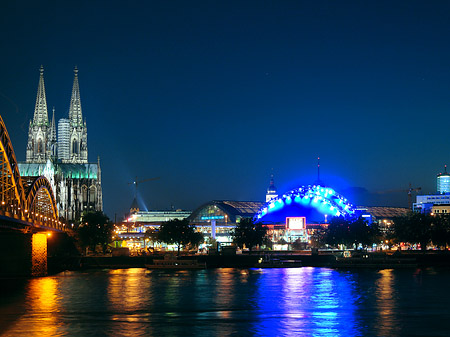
<point x="443" y="182"/>
<point x="63" y="157"/>
<point x="64" y="139"/>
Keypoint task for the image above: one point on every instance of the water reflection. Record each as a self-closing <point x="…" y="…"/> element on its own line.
<point x="41" y="310"/>
<point x="305" y="301"/>
<point x="385" y="299"/>
<point x="128" y="291"/>
<point x="229" y="302"/>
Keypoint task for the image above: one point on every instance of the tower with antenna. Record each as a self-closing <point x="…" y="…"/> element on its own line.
<point x="271" y="190"/>
<point x="318" y="181"/>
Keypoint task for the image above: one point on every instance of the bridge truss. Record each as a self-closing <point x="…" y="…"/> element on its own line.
<point x="33" y="202"/>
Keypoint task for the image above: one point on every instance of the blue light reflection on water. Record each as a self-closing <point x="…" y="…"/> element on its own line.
<point x="229" y="302"/>
<point x="306" y="301"/>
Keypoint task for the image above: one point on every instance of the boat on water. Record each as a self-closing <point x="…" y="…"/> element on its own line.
<point x="278" y="263"/>
<point x="173" y="263"/>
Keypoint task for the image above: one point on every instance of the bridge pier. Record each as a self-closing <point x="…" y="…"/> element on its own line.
<point x="23" y="255"/>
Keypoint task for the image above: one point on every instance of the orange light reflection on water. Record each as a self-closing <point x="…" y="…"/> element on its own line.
<point x="128" y="292"/>
<point x="42" y="309"/>
<point x="385" y="302"/>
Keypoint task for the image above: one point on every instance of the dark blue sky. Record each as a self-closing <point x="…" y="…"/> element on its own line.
<point x="210" y="96"/>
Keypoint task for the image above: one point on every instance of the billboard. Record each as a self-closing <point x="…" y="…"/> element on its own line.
<point x="298" y="222"/>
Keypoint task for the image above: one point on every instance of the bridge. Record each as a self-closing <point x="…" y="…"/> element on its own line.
<point x="27" y="212"/>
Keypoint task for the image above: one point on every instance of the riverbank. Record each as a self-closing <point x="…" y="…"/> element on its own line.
<point x="407" y="259"/>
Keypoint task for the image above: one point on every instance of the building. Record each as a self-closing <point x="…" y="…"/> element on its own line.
<point x="216" y="219"/>
<point x="140" y="221"/>
<point x="443" y="182"/>
<point x="426" y="203"/>
<point x="63" y="139"/>
<point x="435" y="203"/>
<point x="131" y="232"/>
<point x="383" y="216"/>
<point x="62" y="157"/>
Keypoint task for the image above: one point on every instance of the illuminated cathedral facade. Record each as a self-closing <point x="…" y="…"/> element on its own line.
<point x="61" y="155"/>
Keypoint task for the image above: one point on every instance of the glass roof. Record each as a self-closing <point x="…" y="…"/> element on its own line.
<point x="387" y="212"/>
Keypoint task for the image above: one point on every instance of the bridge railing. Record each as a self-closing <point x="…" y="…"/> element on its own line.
<point x="36" y="220"/>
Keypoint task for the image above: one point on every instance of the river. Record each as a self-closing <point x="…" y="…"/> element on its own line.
<point x="229" y="302"/>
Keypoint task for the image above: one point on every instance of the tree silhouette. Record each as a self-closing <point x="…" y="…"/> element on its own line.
<point x="351" y="232"/>
<point x="152" y="235"/>
<point x="440" y="230"/>
<point x="179" y="233"/>
<point x="95" y="229"/>
<point x="414" y="228"/>
<point x="249" y="233"/>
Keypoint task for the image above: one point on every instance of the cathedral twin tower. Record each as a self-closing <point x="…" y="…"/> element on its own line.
<point x="62" y="156"/>
<point x="71" y="144"/>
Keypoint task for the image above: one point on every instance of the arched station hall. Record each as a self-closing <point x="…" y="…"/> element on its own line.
<point x="216" y="219"/>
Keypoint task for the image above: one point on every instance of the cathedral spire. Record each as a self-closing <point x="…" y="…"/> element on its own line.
<point x="40" y="109"/>
<point x="75" y="115"/>
<point x="39" y="127"/>
<point x="53" y="127"/>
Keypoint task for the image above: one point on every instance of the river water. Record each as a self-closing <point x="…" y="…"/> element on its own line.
<point x="229" y="302"/>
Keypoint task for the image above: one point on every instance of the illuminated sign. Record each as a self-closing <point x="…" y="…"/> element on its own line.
<point x="295" y="222"/>
<point x="214" y="217"/>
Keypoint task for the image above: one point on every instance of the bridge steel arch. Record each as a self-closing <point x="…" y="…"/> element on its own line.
<point x="35" y="205"/>
<point x="12" y="192"/>
<point x="41" y="204"/>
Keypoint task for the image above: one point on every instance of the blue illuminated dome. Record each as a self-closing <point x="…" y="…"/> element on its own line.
<point x="315" y="202"/>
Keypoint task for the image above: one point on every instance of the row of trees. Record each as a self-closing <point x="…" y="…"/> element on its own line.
<point x="422" y="228"/>
<point x="96" y="230"/>
<point x="176" y="232"/>
<point x="348" y="232"/>
<point x="415" y="228"/>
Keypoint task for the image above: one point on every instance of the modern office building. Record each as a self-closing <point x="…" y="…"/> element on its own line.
<point x="435" y="203"/>
<point x="425" y="203"/>
<point x="63" y="160"/>
<point x="443" y="182"/>
<point x="64" y="139"/>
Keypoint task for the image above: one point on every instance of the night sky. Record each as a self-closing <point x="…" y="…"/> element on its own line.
<point x="212" y="95"/>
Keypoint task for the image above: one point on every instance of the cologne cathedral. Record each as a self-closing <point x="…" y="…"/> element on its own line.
<point x="61" y="155"/>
